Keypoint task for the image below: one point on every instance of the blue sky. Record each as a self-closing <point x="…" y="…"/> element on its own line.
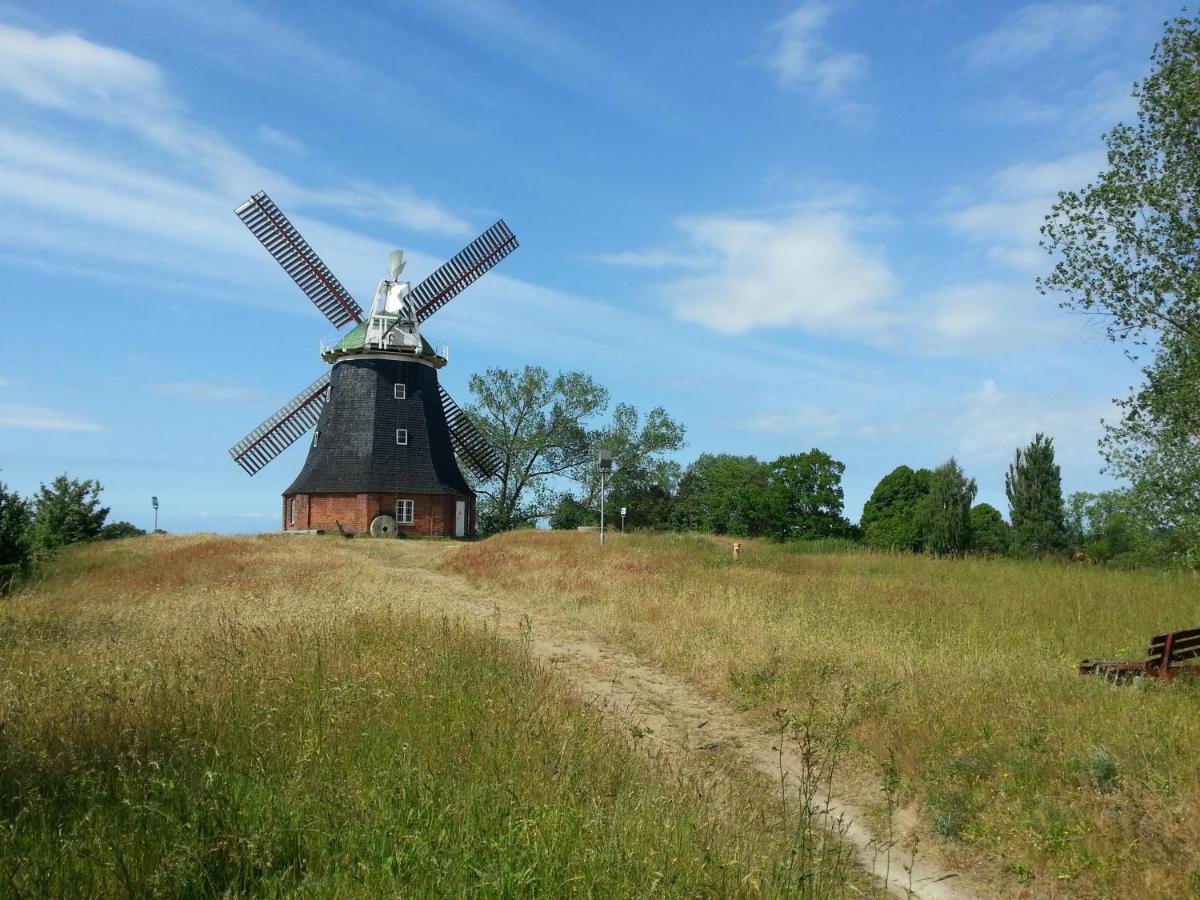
<point x="790" y="225"/>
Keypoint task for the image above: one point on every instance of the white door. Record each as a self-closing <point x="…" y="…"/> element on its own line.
<point x="460" y="518"/>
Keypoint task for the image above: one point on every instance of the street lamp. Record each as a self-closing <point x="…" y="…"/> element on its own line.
<point x="604" y="462"/>
<point x="154" y="503"/>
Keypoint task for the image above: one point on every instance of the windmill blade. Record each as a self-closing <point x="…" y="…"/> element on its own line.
<point x="282" y="429"/>
<point x="470" y="446"/>
<point x="453" y="276"/>
<point x="273" y="230"/>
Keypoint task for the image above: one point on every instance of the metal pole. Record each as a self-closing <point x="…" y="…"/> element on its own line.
<point x="602" y="507"/>
<point x="155" y="520"/>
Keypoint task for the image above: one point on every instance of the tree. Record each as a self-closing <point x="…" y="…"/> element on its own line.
<point x="1128" y="249"/>
<point x="66" y="512"/>
<point x="643" y="477"/>
<point x="538" y="423"/>
<point x="804" y="497"/>
<point x="943" y="515"/>
<point x="889" y="517"/>
<point x="116" y="530"/>
<point x="722" y="494"/>
<point x="1033" y="485"/>
<point x="989" y="531"/>
<point x="14" y="536"/>
<point x="570" y="513"/>
<point x="545" y="428"/>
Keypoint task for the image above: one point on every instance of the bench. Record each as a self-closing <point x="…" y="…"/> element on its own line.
<point x="1167" y="656"/>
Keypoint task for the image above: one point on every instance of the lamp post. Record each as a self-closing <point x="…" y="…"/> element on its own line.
<point x="622" y="520"/>
<point x="154" y="503"/>
<point x="604" y="462"/>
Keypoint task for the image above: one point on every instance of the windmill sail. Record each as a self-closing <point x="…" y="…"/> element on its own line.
<point x="282" y="429"/>
<point x="453" y="276"/>
<point x="471" y="447"/>
<point x="273" y="230"/>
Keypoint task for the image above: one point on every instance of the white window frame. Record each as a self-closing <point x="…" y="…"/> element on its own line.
<point x="316" y="437"/>
<point x="291" y="510"/>
<point x="402" y="437"/>
<point x="403" y="507"/>
<point x="399" y="391"/>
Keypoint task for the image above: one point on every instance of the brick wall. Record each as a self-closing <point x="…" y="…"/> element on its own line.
<point x="432" y="513"/>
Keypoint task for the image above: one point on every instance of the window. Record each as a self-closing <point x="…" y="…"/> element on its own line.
<point x="316" y="437"/>
<point x="404" y="512"/>
<point x="398" y="391"/>
<point x="402" y="436"/>
<point x="292" y="511"/>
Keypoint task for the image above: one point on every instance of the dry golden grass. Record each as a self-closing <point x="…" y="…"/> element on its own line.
<point x="201" y="716"/>
<point x="962" y="671"/>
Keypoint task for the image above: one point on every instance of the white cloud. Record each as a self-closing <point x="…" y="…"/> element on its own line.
<point x="804" y="61"/>
<point x="281" y="140"/>
<point x="1008" y="220"/>
<point x="808" y="271"/>
<point x="1039" y="29"/>
<point x="92" y="82"/>
<point x="650" y="259"/>
<point x="43" y="418"/>
<point x="204" y="391"/>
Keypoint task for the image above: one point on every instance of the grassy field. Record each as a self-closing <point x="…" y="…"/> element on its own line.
<point x="262" y="717"/>
<point x="962" y="681"/>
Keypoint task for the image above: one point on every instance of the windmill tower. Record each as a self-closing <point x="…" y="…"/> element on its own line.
<point x="386" y="438"/>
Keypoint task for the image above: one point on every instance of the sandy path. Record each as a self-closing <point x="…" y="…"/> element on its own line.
<point x="668" y="713"/>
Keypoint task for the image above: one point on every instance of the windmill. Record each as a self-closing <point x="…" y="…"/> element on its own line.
<point x="386" y="438"/>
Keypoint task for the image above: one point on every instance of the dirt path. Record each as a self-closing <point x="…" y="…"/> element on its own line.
<point x="670" y="714"/>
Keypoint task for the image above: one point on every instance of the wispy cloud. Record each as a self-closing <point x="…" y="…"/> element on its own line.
<point x="281" y="140"/>
<point x="1007" y="220"/>
<point x="204" y="391"/>
<point x="650" y="259"/>
<point x="95" y="83"/>
<point x="1035" y="30"/>
<point x="44" y="418"/>
<point x="804" y="61"/>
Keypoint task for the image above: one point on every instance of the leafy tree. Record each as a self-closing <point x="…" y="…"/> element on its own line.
<point x="66" y="512"/>
<point x="1033" y="485"/>
<point x="116" y="530"/>
<point x="545" y="428"/>
<point x="539" y="425"/>
<point x="989" y="531"/>
<point x="889" y="517"/>
<point x="1115" y="527"/>
<point x="1128" y="249"/>
<point x="643" y="477"/>
<point x="723" y="494"/>
<point x="943" y="515"/>
<point x="804" y="496"/>
<point x="14" y="536"/>
<point x="570" y="513"/>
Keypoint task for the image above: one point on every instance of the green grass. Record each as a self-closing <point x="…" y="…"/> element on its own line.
<point x="963" y="677"/>
<point x="201" y="717"/>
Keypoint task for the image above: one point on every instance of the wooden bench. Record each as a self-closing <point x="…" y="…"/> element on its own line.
<point x="1167" y="657"/>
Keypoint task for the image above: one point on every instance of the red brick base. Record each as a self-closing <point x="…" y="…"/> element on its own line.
<point x="432" y="513"/>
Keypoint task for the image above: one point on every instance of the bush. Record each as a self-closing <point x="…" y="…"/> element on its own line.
<point x="114" y="531"/>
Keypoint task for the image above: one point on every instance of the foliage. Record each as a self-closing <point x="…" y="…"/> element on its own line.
<point x="66" y="512"/>
<point x="804" y="497"/>
<point x="544" y="428"/>
<point x="723" y="494"/>
<point x="1115" y="527"/>
<point x="1128" y="249"/>
<point x="890" y="516"/>
<point x="642" y="477"/>
<point x="570" y="513"/>
<point x="15" y="516"/>
<point x="116" y="530"/>
<point x="539" y="425"/>
<point x="943" y="515"/>
<point x="1033" y="485"/>
<point x="989" y="532"/>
